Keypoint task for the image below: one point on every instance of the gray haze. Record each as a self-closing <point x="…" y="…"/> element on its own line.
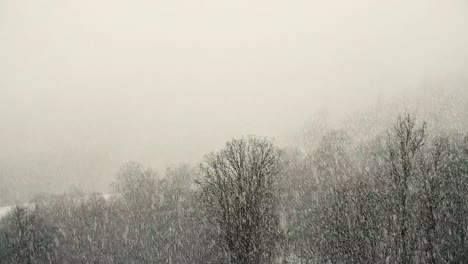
<point x="86" y="85"/>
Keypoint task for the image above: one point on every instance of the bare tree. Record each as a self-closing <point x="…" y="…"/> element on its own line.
<point x="138" y="186"/>
<point x="239" y="191"/>
<point x="431" y="165"/>
<point x="27" y="239"/>
<point x="331" y="158"/>
<point x="404" y="147"/>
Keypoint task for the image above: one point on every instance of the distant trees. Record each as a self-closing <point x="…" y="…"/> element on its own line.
<point x="331" y="159"/>
<point x="298" y="187"/>
<point x="139" y="187"/>
<point x="446" y="201"/>
<point x="398" y="197"/>
<point x="162" y="224"/>
<point x="26" y="238"/>
<point x="148" y="220"/>
<point x="239" y="191"/>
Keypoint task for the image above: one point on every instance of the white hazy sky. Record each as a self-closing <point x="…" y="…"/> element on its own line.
<point x="88" y="84"/>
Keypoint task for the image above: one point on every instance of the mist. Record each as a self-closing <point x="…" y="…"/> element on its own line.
<point x="88" y="85"/>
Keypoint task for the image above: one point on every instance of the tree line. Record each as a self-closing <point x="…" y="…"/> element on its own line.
<point x="398" y="197"/>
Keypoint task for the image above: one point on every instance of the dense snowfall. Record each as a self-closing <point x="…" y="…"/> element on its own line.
<point x="233" y="132"/>
<point x="384" y="186"/>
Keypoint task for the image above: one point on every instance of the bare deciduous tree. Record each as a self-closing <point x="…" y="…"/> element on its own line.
<point x="404" y="146"/>
<point x="430" y="166"/>
<point x="239" y="190"/>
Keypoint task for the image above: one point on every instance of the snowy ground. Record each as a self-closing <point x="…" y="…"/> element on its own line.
<point x="4" y="211"/>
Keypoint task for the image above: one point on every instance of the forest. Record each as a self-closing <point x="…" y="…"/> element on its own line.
<point x="395" y="192"/>
<point x="233" y="132"/>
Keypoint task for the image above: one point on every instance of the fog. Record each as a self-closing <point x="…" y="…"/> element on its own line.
<point x="87" y="85"/>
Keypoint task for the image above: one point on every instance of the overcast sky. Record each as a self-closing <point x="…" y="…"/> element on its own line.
<point x="88" y="84"/>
